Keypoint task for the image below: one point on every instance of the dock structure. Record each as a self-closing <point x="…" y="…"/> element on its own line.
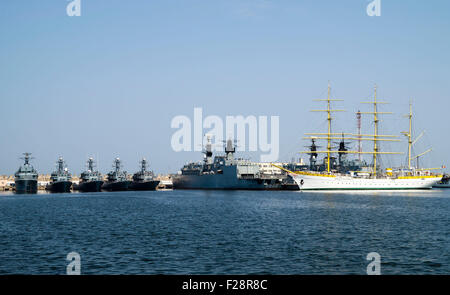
<point x="165" y="182"/>
<point x="6" y="183"/>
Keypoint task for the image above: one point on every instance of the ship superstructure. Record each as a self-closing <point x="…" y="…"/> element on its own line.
<point x="223" y="172"/>
<point x="144" y="179"/>
<point x="370" y="178"/>
<point x="91" y="180"/>
<point x="117" y="180"/>
<point x="61" y="179"/>
<point x="26" y="178"/>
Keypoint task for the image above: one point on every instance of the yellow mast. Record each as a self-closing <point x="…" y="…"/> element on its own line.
<point x="375" y="120"/>
<point x="376" y="136"/>
<point x="409" y="135"/>
<point x="329" y="129"/>
<point x="329" y="118"/>
<point x="330" y="136"/>
<point x="411" y="142"/>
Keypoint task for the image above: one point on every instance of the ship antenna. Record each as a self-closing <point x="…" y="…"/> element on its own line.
<point x="91" y="164"/>
<point x="117" y="165"/>
<point x="143" y="165"/>
<point x="60" y="165"/>
<point x="27" y="158"/>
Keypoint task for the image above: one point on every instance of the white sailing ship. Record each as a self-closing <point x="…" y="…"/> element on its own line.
<point x="372" y="179"/>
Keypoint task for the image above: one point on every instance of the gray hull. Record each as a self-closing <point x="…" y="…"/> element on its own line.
<point x="144" y="185"/>
<point x="59" y="187"/>
<point x="116" y="186"/>
<point x="26" y="186"/>
<point x="89" y="186"/>
<point x="226" y="181"/>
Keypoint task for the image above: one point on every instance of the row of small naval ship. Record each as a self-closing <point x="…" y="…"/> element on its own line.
<point x="91" y="180"/>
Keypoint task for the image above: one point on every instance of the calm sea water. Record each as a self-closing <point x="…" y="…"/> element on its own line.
<point x="223" y="232"/>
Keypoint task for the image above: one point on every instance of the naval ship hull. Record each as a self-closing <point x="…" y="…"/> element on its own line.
<point x="116" y="186"/>
<point x="443" y="183"/>
<point x="90" y="186"/>
<point x="144" y="185"/>
<point x="59" y="187"/>
<point x="26" y="186"/>
<point x="216" y="182"/>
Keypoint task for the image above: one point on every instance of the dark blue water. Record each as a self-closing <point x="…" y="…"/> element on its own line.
<point x="206" y="232"/>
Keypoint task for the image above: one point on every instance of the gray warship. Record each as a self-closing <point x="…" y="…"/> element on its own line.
<point x="61" y="179"/>
<point x="90" y="180"/>
<point x="26" y="178"/>
<point x="340" y="164"/>
<point x="117" y="180"/>
<point x="144" y="179"/>
<point x="224" y="172"/>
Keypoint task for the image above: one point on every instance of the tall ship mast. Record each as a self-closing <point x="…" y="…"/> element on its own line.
<point x="368" y="179"/>
<point x="26" y="178"/>
<point x="358" y="118"/>
<point x="412" y="142"/>
<point x="376" y="137"/>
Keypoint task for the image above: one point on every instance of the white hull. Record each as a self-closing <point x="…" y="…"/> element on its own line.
<point x="317" y="182"/>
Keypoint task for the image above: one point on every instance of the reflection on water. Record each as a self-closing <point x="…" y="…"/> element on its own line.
<point x="226" y="232"/>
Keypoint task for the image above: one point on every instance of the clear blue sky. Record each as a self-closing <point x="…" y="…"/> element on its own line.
<point x="109" y="82"/>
